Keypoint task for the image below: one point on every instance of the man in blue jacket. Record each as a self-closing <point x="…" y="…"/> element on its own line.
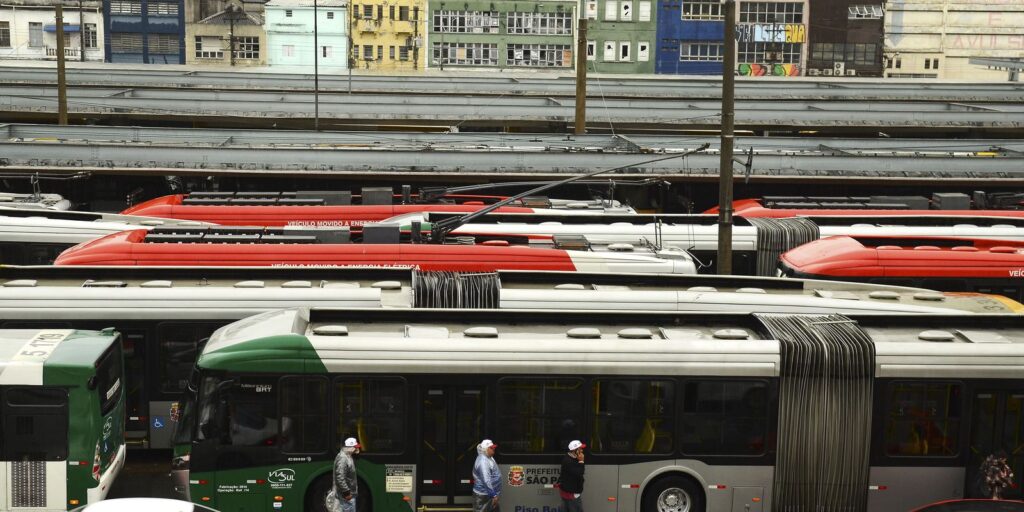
<point x="486" y="478"/>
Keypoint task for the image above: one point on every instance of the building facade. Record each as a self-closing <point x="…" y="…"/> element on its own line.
<point x="225" y="33"/>
<point x="502" y="34"/>
<point x="620" y="35"/>
<point x="936" y="38"/>
<point x="847" y="38"/>
<point x="388" y="35"/>
<point x="144" y="31"/>
<point x="290" y="41"/>
<point x="771" y="38"/>
<point x="28" y="30"/>
<point x="690" y="37"/>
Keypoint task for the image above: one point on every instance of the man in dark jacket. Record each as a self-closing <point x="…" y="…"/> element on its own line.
<point x="570" y="482"/>
<point x="346" y="485"/>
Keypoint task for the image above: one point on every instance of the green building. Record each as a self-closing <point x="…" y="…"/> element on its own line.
<point x="536" y="34"/>
<point x="620" y="35"/>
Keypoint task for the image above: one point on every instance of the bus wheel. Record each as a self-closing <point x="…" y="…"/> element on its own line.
<point x="316" y="496"/>
<point x="673" y="494"/>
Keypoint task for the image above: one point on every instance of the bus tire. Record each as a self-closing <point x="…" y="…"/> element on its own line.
<point x="673" y="493"/>
<point x="316" y="495"/>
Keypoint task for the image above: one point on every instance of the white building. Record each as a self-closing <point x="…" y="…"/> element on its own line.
<point x="28" y="30"/>
<point x="289" y="26"/>
<point x="936" y="38"/>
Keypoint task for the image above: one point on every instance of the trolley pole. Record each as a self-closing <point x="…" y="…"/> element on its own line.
<point x="581" y="78"/>
<point x="62" y="82"/>
<point x="725" y="158"/>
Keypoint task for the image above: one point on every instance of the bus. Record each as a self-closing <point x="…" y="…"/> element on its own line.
<point x="61" y="417"/>
<point x="680" y="411"/>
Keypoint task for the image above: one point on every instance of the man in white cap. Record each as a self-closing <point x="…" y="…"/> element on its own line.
<point x="486" y="478"/>
<point x="346" y="486"/>
<point x="570" y="482"/>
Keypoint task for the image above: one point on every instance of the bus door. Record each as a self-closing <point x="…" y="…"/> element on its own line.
<point x="997" y="423"/>
<point x="453" y="425"/>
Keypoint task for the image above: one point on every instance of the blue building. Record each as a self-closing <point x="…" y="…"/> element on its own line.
<point x="690" y="37"/>
<point x="144" y="31"/>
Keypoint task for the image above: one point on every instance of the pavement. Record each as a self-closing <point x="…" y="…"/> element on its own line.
<point x="146" y="474"/>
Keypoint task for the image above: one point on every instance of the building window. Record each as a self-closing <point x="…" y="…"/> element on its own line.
<point x="923" y="419"/>
<point x="35" y="35"/>
<point x="643" y="51"/>
<point x="771" y="12"/>
<point x="90" y="35"/>
<point x="858" y="54"/>
<point x="368" y="12"/>
<point x="367" y="52"/>
<point x="288" y="14"/>
<point x="591" y="9"/>
<point x="125" y="43"/>
<point x="208" y="47"/>
<point x="700" y="52"/>
<point x="403" y="53"/>
<point x="776" y="53"/>
<point x="624" y="49"/>
<point x="865" y="12"/>
<point x="391" y="52"/>
<point x="899" y="63"/>
<point x="609" y="51"/>
<point x="288" y="50"/>
<point x="539" y="55"/>
<point x="927" y="63"/>
<point x="326" y="51"/>
<point x="645" y="11"/>
<point x="611" y="9"/>
<point x="591" y="50"/>
<point x="466" y="54"/>
<point x="626" y="10"/>
<point x="403" y="13"/>
<point x="125" y="7"/>
<point x="380" y="52"/>
<point x="5" y="34"/>
<point x="162" y="9"/>
<point x="248" y="48"/>
<point x="935" y="63"/>
<point x="703" y="10"/>
<point x="330" y="15"/>
<point x="166" y="44"/>
<point x="547" y="23"/>
<point x="467" y="22"/>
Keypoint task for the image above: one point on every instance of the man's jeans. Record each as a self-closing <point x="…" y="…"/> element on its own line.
<point x="483" y="503"/>
<point x="348" y="506"/>
<point x="573" y="505"/>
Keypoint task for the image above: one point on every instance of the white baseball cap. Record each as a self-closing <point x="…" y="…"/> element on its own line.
<point x="487" y="443"/>
<point x="352" y="443"/>
<point x="575" y="445"/>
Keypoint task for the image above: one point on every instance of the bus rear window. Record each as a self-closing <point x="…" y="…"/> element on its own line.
<point x="110" y="378"/>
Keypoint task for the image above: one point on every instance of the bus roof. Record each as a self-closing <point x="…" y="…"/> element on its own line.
<point x="24" y="352"/>
<point x="573" y="342"/>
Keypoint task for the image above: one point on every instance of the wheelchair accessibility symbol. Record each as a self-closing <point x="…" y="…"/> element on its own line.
<point x="158" y="422"/>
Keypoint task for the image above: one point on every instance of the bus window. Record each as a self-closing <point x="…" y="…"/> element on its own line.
<point x="304" y="415"/>
<point x="373" y="411"/>
<point x="722" y="417"/>
<point x="633" y="416"/>
<point x="178" y="347"/>
<point x="109" y="378"/>
<point x="34" y="424"/>
<point x="922" y="419"/>
<point x="539" y="415"/>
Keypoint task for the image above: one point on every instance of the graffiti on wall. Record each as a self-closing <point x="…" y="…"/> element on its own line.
<point x="772" y="33"/>
<point x="769" y="70"/>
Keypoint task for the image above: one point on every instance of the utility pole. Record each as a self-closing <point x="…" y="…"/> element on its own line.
<point x="316" y="71"/>
<point x="62" y="82"/>
<point x="725" y="158"/>
<point x="81" y="32"/>
<point x="581" y="78"/>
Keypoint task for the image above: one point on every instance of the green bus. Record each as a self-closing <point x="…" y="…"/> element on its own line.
<point x="681" y="412"/>
<point x="61" y="417"/>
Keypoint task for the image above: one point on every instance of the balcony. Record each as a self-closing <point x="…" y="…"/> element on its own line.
<point x="68" y="52"/>
<point x="403" y="27"/>
<point x="368" y="25"/>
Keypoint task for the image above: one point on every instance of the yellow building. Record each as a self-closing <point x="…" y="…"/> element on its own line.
<point x="388" y="35"/>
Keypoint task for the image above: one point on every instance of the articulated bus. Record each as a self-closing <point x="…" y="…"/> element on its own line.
<point x="61" y="417"/>
<point x="680" y="411"/>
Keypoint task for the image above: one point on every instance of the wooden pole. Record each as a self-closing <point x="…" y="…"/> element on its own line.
<point x="725" y="160"/>
<point x="62" y="83"/>
<point x="581" y="78"/>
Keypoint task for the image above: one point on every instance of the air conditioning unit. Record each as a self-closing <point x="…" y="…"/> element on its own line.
<point x="839" y="68"/>
<point x="826" y="72"/>
<point x="813" y="72"/>
<point x="851" y="72"/>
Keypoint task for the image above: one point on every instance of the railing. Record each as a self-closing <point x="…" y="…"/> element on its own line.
<point x="68" y="52"/>
<point x="371" y="25"/>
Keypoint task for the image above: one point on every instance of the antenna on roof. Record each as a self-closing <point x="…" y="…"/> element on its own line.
<point x="440" y="229"/>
